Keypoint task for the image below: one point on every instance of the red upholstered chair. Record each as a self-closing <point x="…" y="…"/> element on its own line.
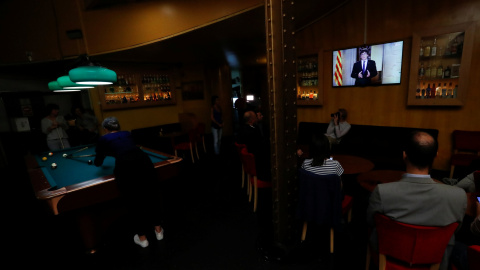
<point x="473" y="253"/>
<point x="466" y="148"/>
<point x="406" y="246"/>
<point x="248" y="160"/>
<point x="320" y="202"/>
<point x="184" y="143"/>
<point x="239" y="148"/>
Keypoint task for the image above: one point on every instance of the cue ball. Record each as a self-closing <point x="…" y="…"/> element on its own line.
<point x="90" y="162"/>
<point x="54" y="165"/>
<point x="65" y="155"/>
<point x="44" y="158"/>
<point x="50" y="154"/>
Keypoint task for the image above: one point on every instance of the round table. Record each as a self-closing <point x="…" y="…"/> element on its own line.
<point x="354" y="164"/>
<point x="369" y="180"/>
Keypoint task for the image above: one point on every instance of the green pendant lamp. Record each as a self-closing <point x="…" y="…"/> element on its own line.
<point x="55" y="87"/>
<point x="92" y="75"/>
<point x="66" y="83"/>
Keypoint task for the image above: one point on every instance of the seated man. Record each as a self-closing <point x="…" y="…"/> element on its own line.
<point x="251" y="135"/>
<point x="416" y="198"/>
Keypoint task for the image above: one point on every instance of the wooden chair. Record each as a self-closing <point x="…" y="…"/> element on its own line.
<point x="320" y="201"/>
<point x="466" y="148"/>
<point x="248" y="161"/>
<point x="200" y="137"/>
<point x="184" y="143"/>
<point x="239" y="148"/>
<point x="406" y="246"/>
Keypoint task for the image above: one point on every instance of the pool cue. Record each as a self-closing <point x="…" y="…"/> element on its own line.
<point x="60" y="137"/>
<point x="81" y="156"/>
<point x="85" y="148"/>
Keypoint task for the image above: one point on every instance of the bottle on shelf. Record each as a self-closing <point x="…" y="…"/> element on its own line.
<point x="433" y="71"/>
<point x="433" y="51"/>
<point x="450" y="90"/>
<point x="438" y="91"/>
<point x="417" y="94"/>
<point x="447" y="72"/>
<point x="428" y="90"/>
<point x="423" y="90"/>
<point x="421" y="48"/>
<point x="427" y="50"/>
<point x="421" y="71"/>
<point x="455" y="91"/>
<point x="310" y="95"/>
<point x="440" y="71"/>
<point x="444" y="90"/>
<point x="433" y="91"/>
<point x="428" y="73"/>
<point x="315" y="95"/>
<point x="454" y="47"/>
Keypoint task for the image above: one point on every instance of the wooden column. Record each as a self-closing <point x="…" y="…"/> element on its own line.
<point x="282" y="113"/>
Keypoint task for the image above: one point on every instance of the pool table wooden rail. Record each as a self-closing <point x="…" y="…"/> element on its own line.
<point x="88" y="192"/>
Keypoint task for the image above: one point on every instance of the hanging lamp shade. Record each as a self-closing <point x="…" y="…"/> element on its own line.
<point x="66" y="83"/>
<point x="92" y="75"/>
<point x="55" y="87"/>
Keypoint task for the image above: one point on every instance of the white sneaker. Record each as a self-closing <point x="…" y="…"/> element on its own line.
<point x="139" y="242"/>
<point x="159" y="234"/>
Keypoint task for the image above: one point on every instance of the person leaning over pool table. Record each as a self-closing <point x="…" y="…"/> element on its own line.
<point x="135" y="177"/>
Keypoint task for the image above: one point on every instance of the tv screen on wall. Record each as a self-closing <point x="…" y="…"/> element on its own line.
<point x="381" y="65"/>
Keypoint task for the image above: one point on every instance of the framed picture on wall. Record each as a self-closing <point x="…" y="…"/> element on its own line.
<point x="192" y="90"/>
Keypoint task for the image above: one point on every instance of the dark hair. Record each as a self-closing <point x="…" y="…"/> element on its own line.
<point x="319" y="149"/>
<point x="421" y="149"/>
<point x="50" y="107"/>
<point x="111" y="123"/>
<point x="364" y="51"/>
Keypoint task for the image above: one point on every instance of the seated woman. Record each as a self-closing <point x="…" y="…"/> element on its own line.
<point x="320" y="161"/>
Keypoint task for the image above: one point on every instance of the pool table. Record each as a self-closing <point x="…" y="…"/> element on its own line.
<point x="74" y="183"/>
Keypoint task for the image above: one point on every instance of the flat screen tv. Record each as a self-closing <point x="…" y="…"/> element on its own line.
<point x="382" y="65"/>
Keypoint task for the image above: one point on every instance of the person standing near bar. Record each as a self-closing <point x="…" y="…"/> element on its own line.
<point x="54" y="126"/>
<point x="217" y="124"/>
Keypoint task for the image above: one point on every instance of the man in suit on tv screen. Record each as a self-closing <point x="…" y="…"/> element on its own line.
<point x="364" y="70"/>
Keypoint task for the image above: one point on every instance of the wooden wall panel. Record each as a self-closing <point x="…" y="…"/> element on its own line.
<point x="387" y="105"/>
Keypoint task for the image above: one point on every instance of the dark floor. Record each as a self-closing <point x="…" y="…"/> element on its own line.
<point x="208" y="222"/>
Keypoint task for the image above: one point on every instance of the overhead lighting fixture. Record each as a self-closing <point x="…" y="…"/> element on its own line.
<point x="66" y="83"/>
<point x="92" y="74"/>
<point x="55" y="87"/>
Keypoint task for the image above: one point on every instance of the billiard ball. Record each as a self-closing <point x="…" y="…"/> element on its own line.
<point x="90" y="162"/>
<point x="65" y="155"/>
<point x="44" y="158"/>
<point x="50" y="154"/>
<point x="54" y="165"/>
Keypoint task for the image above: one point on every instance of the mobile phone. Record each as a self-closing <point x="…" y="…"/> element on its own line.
<point x="478" y="199"/>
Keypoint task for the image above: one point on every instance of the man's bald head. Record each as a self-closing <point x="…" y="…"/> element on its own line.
<point x="421" y="149"/>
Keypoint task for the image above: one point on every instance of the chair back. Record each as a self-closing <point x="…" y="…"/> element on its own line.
<point x="466" y="140"/>
<point x="239" y="147"/>
<point x="412" y="244"/>
<point x="320" y="198"/>
<point x="248" y="161"/>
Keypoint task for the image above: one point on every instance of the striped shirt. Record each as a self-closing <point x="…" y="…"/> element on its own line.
<point x="328" y="167"/>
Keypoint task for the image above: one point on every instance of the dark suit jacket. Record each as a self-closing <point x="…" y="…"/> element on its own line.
<point x="257" y="145"/>
<point x="357" y="68"/>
